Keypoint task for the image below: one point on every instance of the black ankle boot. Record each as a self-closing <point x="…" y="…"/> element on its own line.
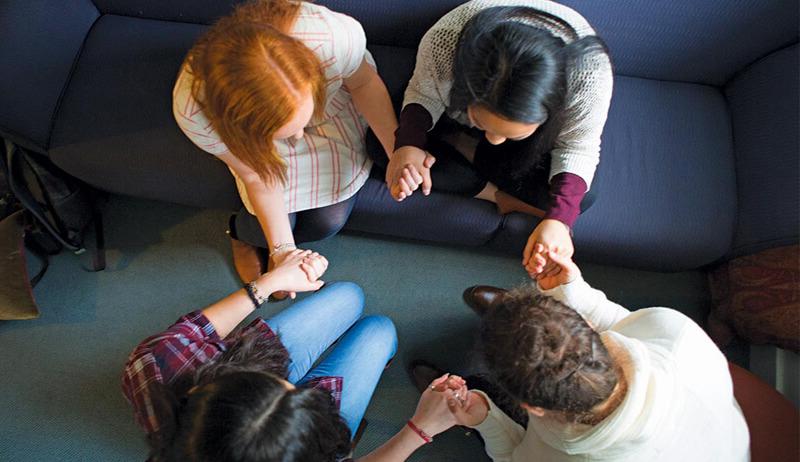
<point x="483" y="298"/>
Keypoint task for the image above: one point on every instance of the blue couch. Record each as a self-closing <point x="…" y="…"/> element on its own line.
<point x="699" y="155"/>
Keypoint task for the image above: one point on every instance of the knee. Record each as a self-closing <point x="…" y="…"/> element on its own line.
<point x="382" y="334"/>
<point x="329" y="225"/>
<point x="321" y="226"/>
<point x="349" y="296"/>
<point x="588" y="200"/>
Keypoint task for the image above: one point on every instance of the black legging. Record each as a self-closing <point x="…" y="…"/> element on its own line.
<point x="505" y="165"/>
<point x="308" y="225"/>
<point x="451" y="173"/>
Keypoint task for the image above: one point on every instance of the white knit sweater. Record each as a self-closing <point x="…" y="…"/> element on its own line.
<point x="679" y="406"/>
<point x="589" y="85"/>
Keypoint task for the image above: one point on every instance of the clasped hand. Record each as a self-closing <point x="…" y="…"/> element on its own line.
<point x="409" y="169"/>
<point x="550" y="268"/>
<point x="299" y="271"/>
<point x="550" y="237"/>
<point x="447" y="402"/>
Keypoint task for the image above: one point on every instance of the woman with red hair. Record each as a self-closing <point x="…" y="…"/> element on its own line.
<point x="282" y="92"/>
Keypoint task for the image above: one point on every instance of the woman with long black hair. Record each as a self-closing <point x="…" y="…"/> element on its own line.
<point x="533" y="77"/>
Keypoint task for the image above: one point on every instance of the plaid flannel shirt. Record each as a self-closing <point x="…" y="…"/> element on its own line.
<point x="182" y="348"/>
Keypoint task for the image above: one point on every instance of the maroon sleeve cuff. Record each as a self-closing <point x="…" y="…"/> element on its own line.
<point x="566" y="193"/>
<point x="415" y="121"/>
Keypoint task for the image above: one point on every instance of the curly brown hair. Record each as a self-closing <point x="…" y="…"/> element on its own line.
<point x="544" y="354"/>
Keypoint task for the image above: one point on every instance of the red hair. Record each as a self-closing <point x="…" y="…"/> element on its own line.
<point x="249" y="77"/>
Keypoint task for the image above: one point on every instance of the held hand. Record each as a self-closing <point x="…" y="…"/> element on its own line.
<point x="408" y="169"/>
<point x="552" y="235"/>
<point x="297" y="271"/>
<point x="473" y="412"/>
<point x="314" y="266"/>
<point x="565" y="270"/>
<point x="433" y="414"/>
<point x="453" y="382"/>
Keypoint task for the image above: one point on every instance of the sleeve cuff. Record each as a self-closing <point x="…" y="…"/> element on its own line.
<point x="564" y="292"/>
<point x="566" y="193"/>
<point x="486" y="424"/>
<point x="412" y="130"/>
<point x="200" y="321"/>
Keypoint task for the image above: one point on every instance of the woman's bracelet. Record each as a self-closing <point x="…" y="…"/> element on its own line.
<point x="281" y="248"/>
<point x="425" y="437"/>
<point x="255" y="296"/>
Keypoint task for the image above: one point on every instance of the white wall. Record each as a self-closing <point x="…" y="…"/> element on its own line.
<point x="780" y="368"/>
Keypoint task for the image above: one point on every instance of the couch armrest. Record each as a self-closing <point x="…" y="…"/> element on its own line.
<point x="765" y="116"/>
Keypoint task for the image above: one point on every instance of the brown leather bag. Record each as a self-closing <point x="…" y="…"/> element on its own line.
<point x="16" y="290"/>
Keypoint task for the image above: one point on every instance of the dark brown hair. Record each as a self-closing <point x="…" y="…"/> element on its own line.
<point x="544" y="354"/>
<point x="236" y="408"/>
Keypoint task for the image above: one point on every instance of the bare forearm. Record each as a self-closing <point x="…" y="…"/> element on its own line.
<point x="227" y="313"/>
<point x="373" y="101"/>
<point x="268" y="204"/>
<point x="397" y="449"/>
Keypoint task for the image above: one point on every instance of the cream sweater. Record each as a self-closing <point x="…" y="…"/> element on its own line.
<point x="679" y="406"/>
<point x="589" y="85"/>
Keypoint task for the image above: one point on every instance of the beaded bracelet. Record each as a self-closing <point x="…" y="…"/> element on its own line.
<point x="252" y="292"/>
<point x="425" y="437"/>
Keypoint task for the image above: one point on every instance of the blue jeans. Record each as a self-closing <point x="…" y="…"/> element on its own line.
<point x="308" y="327"/>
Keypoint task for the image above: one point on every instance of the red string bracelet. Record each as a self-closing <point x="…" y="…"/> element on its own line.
<point x="426" y="437"/>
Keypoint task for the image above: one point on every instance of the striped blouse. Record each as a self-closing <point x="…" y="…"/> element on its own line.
<point x="329" y="164"/>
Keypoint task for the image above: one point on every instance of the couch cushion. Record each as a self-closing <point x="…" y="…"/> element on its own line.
<point x="39" y="42"/>
<point x="666" y="184"/>
<point x="757" y="299"/>
<point x="704" y="41"/>
<point x="766" y="117"/>
<point x="115" y="128"/>
<point x="395" y="65"/>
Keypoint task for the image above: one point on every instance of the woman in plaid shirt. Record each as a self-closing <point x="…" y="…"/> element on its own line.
<point x="203" y="391"/>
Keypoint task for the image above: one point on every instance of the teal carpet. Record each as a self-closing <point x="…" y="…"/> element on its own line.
<point x="59" y="374"/>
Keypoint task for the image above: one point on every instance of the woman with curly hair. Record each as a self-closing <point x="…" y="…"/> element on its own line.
<point x="282" y="92"/>
<point x="596" y="381"/>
